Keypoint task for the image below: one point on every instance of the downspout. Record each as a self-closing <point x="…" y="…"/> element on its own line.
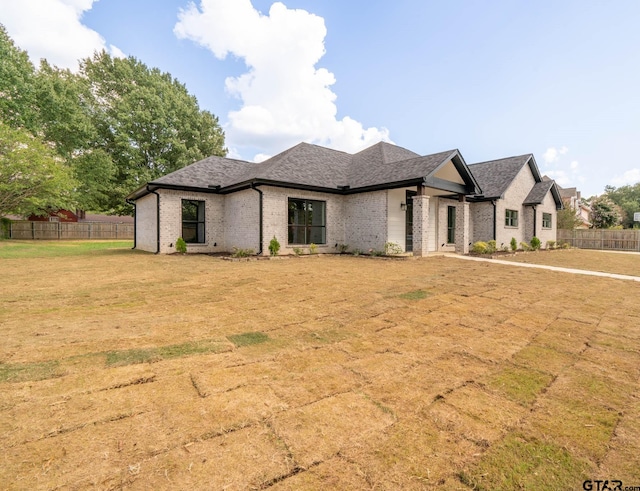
<point x="157" y="219"/>
<point x="255" y="188"/>
<point x="495" y="218"/>
<point x="135" y="221"/>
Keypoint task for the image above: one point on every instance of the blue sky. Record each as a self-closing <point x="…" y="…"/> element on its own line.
<point x="559" y="79"/>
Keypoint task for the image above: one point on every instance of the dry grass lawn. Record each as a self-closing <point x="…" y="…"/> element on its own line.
<point x="126" y="370"/>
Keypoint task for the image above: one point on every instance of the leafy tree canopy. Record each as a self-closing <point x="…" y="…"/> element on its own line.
<point x="32" y="177"/>
<point x="628" y="199"/>
<point x="604" y="212"/>
<point x="146" y="121"/>
<point x="116" y="124"/>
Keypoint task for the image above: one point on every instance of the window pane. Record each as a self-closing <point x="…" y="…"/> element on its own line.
<point x="296" y="212"/>
<point x="189" y="232"/>
<point x="317" y="235"/>
<point x="189" y="210"/>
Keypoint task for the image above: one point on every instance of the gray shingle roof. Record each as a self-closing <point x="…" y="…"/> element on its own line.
<point x="212" y="171"/>
<point x="538" y="192"/>
<point x="495" y="176"/>
<point x="314" y="166"/>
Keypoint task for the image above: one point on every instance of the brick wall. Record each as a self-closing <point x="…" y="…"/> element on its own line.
<point x="275" y="218"/>
<point x="146" y="223"/>
<point x="242" y="220"/>
<point x="171" y="220"/>
<point x="366" y="220"/>
<point x="481" y="221"/>
<point x="513" y="199"/>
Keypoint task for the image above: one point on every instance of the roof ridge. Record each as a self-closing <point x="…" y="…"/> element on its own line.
<point x="504" y="158"/>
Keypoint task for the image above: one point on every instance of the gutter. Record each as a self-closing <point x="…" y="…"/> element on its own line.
<point x="254" y="186"/>
<point x="157" y="218"/>
<point x="135" y="221"/>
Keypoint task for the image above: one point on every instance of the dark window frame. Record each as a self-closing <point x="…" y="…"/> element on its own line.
<point x="511" y="218"/>
<point x="191" y="224"/>
<point x="547" y="220"/>
<point x="300" y="227"/>
<point x="451" y="224"/>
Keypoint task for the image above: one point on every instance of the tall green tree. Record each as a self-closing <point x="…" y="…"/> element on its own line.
<point x="604" y="212"/>
<point x="146" y="121"/>
<point x="32" y="178"/>
<point x="17" y="99"/>
<point x="628" y="199"/>
<point x="64" y="119"/>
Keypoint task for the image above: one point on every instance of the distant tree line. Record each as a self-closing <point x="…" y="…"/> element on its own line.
<point x="85" y="140"/>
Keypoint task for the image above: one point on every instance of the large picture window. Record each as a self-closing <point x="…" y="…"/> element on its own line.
<point x="307" y="221"/>
<point x="511" y="218"/>
<point x="451" y="224"/>
<point x="193" y="221"/>
<point x="546" y="220"/>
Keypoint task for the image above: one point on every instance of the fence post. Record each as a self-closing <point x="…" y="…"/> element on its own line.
<point x="33" y="230"/>
<point x="90" y="229"/>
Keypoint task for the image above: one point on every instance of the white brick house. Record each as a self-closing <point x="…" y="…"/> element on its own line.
<point x="311" y="194"/>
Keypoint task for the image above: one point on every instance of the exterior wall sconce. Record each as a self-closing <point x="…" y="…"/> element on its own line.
<point x="403" y="206"/>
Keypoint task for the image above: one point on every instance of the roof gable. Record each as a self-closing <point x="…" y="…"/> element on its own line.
<point x="495" y="176"/>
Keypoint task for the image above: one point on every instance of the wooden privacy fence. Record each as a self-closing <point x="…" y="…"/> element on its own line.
<point x="615" y="240"/>
<point x="70" y="230"/>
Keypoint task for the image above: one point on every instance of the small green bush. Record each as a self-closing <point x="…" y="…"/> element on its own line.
<point x="551" y="244"/>
<point x="535" y="243"/>
<point x="343" y="248"/>
<point x="514" y="244"/>
<point x="524" y="246"/>
<point x="491" y="247"/>
<point x="238" y="252"/>
<point x="297" y="251"/>
<point x="480" y="247"/>
<point x="374" y="252"/>
<point x="181" y="245"/>
<point x="274" y="246"/>
<point x="356" y="252"/>
<point x="313" y="248"/>
<point x="392" y="248"/>
<point x="566" y="245"/>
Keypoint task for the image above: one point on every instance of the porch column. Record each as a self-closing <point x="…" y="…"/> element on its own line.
<point x="462" y="226"/>
<point x="420" y="223"/>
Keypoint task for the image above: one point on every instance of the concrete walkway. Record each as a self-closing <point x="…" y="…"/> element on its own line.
<point x="551" y="268"/>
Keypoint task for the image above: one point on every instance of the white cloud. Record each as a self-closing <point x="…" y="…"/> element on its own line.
<point x="574" y="165"/>
<point x="52" y="29"/>
<point x="552" y="154"/>
<point x="561" y="177"/>
<point x="632" y="176"/>
<point x="285" y="98"/>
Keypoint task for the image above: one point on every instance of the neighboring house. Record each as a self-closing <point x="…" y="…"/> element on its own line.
<point x="572" y="199"/>
<point x="516" y="202"/>
<point x="55" y="216"/>
<point x="311" y="194"/>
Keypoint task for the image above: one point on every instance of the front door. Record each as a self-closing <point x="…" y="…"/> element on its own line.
<point x="408" y="241"/>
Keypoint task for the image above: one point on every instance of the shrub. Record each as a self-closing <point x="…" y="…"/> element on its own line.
<point x="297" y="251"/>
<point x="274" y="246"/>
<point x="238" y="252"/>
<point x="480" y="247"/>
<point x="343" y="248"/>
<point x="551" y="244"/>
<point x="535" y="243"/>
<point x="514" y="244"/>
<point x="5" y="228"/>
<point x="566" y="245"/>
<point x="392" y="248"/>
<point x="524" y="246"/>
<point x="374" y="252"/>
<point x="313" y="248"/>
<point x="356" y="252"/>
<point x="491" y="247"/>
<point x="181" y="245"/>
